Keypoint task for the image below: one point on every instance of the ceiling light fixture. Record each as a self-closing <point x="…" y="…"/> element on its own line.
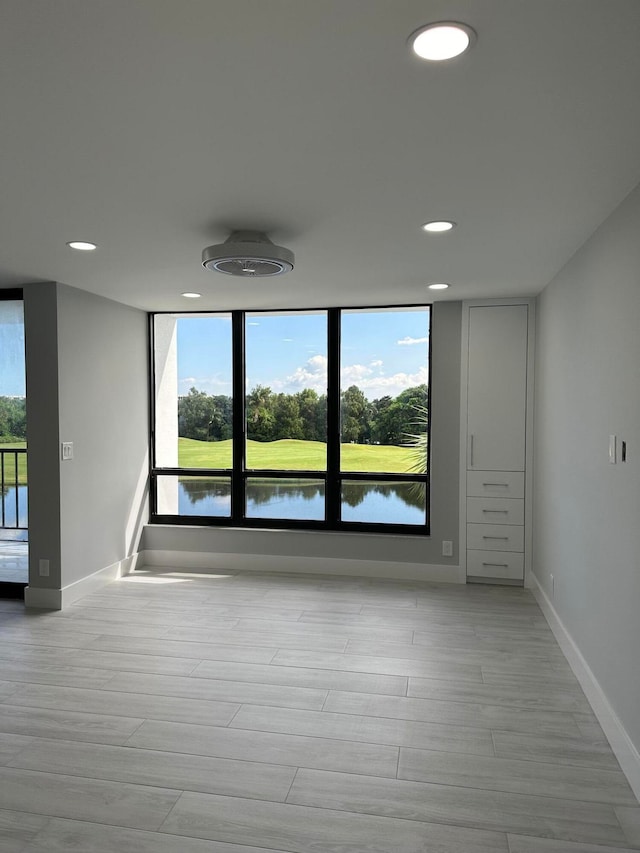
<point x="82" y="246"/>
<point x="438" y="286"/>
<point x="249" y="254"/>
<point x="442" y="40"/>
<point x="438" y="226"/>
<point x="191" y="295"/>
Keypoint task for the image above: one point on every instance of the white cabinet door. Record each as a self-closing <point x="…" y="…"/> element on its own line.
<point x="497" y="387"/>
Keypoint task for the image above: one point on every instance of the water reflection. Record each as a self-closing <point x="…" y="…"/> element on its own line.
<point x="301" y="500"/>
<point x="10" y="497"/>
<point x="298" y="499"/>
<point x="204" y="496"/>
<point x="383" y="503"/>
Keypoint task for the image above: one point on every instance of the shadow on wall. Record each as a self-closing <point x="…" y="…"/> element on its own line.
<point x="138" y="511"/>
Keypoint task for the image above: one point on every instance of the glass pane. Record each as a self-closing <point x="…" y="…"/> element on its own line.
<point x="177" y="495"/>
<point x="384" y="503"/>
<point x="290" y="499"/>
<point x="193" y="391"/>
<point x="13" y="422"/>
<point x="384" y="376"/>
<point x="286" y="381"/>
<point x="13" y="426"/>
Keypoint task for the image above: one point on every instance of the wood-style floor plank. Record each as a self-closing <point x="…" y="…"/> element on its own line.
<point x="73" y="836"/>
<point x="55" y="795"/>
<point x="17" y="829"/>
<point x="571" y="820"/>
<point x="452" y="713"/>
<point x="308" y="830"/>
<point x="185" y="712"/>
<point x="256" y="780"/>
<point x="269" y="747"/>
<point x="521" y="777"/>
<point x="363" y="729"/>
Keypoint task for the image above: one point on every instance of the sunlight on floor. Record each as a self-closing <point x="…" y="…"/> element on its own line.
<point x="170" y="577"/>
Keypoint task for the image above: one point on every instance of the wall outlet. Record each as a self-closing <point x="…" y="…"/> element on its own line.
<point x="447" y="548"/>
<point x="553" y="585"/>
<point x="66" y="450"/>
<point x="43" y="568"/>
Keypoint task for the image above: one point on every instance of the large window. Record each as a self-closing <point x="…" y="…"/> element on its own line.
<point x="313" y="419"/>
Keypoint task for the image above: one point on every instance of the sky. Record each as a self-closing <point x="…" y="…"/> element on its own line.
<point x="382" y="352"/>
<point x="12" y="369"/>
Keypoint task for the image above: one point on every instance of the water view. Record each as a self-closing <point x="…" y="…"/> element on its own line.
<point x="14" y="512"/>
<point x="365" y="502"/>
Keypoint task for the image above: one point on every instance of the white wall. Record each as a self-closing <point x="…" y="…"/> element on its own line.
<point x="377" y="553"/>
<point x="87" y="374"/>
<point x="587" y="511"/>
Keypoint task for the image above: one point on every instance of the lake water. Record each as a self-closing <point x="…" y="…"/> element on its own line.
<point x="9" y="513"/>
<point x="304" y="500"/>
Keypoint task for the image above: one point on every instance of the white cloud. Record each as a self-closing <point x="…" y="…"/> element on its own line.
<point x="313" y="374"/>
<point x="376" y="363"/>
<point x="288" y="340"/>
<point x="409" y="342"/>
<point x="373" y="383"/>
<point x="253" y="324"/>
<point x="208" y="384"/>
<point x="353" y="374"/>
<point x="382" y="386"/>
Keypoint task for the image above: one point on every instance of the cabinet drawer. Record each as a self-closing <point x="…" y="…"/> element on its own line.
<point x="495" y="484"/>
<point x="495" y="537"/>
<point x="495" y="564"/>
<point x="495" y="510"/>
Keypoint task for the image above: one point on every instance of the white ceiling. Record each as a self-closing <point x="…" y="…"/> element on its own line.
<point x="154" y="127"/>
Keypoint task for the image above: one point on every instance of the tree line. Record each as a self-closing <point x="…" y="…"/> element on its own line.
<point x="272" y="416"/>
<point x="13" y="419"/>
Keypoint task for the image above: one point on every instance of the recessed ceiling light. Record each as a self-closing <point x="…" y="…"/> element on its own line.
<point x="82" y="246"/>
<point x="191" y="295"/>
<point x="438" y="286"/>
<point x="439" y="226"/>
<point x="442" y="40"/>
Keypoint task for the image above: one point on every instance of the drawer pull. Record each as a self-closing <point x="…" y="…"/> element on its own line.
<point x="503" y="485"/>
<point x="505" y="538"/>
<point x="497" y="565"/>
<point x="505" y="511"/>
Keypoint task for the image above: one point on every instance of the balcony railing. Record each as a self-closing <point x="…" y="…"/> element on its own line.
<point x="13" y="488"/>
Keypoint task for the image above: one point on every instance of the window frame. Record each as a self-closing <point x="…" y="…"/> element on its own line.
<point x="332" y="476"/>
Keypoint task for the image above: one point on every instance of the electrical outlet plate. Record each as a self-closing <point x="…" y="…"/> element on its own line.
<point x="66" y="450"/>
<point x="447" y="548"/>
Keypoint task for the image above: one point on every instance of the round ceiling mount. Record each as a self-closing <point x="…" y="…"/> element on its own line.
<point x="249" y="254"/>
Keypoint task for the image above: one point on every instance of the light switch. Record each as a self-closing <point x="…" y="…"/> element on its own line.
<point x="612" y="449"/>
<point x="67" y="450"/>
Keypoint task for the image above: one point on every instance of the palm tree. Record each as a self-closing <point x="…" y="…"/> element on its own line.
<point x="418" y="442"/>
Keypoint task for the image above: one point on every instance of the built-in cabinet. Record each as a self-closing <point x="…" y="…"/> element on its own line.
<point x="497" y="402"/>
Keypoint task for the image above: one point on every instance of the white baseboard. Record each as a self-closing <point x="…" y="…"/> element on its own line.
<point x="621" y="744"/>
<point x="203" y="561"/>
<point x="58" y="599"/>
<point x="42" y="599"/>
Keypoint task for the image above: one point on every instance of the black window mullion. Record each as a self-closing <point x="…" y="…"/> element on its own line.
<point x="237" y="477"/>
<point x="239" y="473"/>
<point x="333" y="418"/>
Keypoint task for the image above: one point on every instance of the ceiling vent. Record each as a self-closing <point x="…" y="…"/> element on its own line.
<point x="250" y="254"/>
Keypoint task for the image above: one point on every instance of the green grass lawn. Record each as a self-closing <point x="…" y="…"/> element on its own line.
<point x="9" y="463"/>
<point x="293" y="455"/>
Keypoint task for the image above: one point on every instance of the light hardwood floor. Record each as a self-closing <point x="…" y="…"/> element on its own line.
<point x="183" y="713"/>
